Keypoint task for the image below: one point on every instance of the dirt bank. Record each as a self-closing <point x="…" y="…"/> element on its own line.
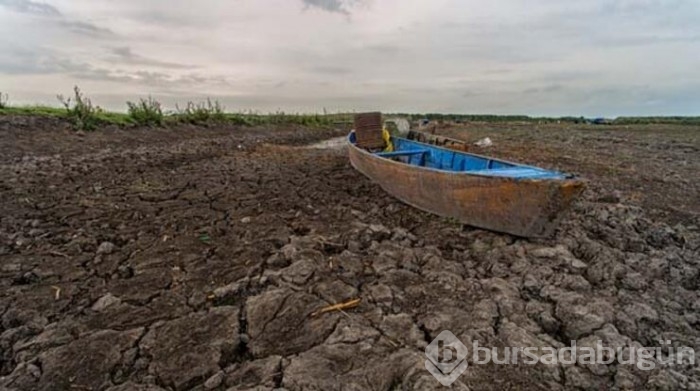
<point x="194" y="258"/>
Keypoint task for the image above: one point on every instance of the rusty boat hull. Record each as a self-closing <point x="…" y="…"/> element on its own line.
<point x="476" y="190"/>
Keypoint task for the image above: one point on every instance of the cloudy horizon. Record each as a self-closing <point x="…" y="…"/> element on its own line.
<point x="539" y="57"/>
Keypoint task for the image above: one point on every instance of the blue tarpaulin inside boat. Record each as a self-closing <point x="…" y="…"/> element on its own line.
<point x="425" y="155"/>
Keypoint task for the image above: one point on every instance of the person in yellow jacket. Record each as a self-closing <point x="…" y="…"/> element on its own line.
<point x="387" y="140"/>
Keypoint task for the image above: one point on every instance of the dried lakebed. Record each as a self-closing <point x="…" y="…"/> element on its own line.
<point x="195" y="258"/>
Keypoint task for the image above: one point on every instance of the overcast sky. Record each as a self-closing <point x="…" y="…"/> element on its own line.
<point x="538" y="57"/>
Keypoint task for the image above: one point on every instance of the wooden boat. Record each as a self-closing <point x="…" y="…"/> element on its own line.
<point x="438" y="140"/>
<point x="476" y="190"/>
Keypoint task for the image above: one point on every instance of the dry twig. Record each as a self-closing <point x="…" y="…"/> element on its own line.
<point x="338" y="307"/>
<point x="57" y="292"/>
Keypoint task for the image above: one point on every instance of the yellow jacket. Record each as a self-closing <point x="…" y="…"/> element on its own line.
<point x="387" y="140"/>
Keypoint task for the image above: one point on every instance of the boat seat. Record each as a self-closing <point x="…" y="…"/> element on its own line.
<point x="518" y="172"/>
<point x="368" y="131"/>
<point x="403" y="153"/>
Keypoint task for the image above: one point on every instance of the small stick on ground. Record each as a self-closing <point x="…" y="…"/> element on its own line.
<point x="57" y="292"/>
<point x="338" y="307"/>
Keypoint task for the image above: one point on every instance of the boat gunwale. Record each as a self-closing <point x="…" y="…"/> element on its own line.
<point x="572" y="179"/>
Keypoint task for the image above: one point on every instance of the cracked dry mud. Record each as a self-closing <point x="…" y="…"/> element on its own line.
<point x="193" y="258"/>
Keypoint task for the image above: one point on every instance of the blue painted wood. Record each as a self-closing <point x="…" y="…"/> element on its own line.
<point x="519" y="172"/>
<point x="402" y="153"/>
<point x="438" y="158"/>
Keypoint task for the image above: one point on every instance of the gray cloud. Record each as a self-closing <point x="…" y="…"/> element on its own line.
<point x="545" y="89"/>
<point x="331" y="70"/>
<point x="337" y="6"/>
<point x="536" y="57"/>
<point x="85" y="28"/>
<point x="125" y="55"/>
<point x="30" y="7"/>
<point x="52" y="13"/>
<point x="162" y="80"/>
<point x="42" y="61"/>
<point x="647" y="39"/>
<point x="38" y="61"/>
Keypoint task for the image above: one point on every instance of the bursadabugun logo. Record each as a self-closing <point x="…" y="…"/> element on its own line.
<point x="447" y="358"/>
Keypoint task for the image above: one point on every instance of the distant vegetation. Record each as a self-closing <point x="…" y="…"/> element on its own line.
<point x="146" y="112"/>
<point x="464" y="117"/>
<point x="574" y="120"/>
<point x="80" y="111"/>
<point x="657" y="120"/>
<point x="83" y="115"/>
<point x="201" y="113"/>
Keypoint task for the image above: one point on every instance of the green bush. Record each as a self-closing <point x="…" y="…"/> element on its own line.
<point x="201" y="113"/>
<point x="147" y="112"/>
<point x="3" y="100"/>
<point x="80" y="111"/>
